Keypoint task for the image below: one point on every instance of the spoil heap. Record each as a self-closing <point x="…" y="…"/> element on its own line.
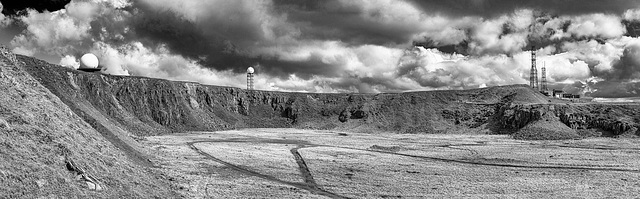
<point x="548" y="127"/>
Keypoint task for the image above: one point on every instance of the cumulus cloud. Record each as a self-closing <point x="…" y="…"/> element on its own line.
<point x="4" y="20"/>
<point x="596" y="25"/>
<point x="342" y="45"/>
<point x="70" y="61"/>
<point x="628" y="67"/>
<point x="49" y="32"/>
<point x="66" y="31"/>
<point x="492" y="8"/>
<point x="504" y="35"/>
<point x="616" y="89"/>
<point x="598" y="56"/>
<point x="612" y="67"/>
<point x="433" y="69"/>
<point x="632" y="15"/>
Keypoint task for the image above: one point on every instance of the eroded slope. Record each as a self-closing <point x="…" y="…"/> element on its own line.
<point x="48" y="151"/>
<point x="145" y="106"/>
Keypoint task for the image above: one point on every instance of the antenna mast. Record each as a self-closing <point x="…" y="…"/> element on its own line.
<point x="533" y="78"/>
<point x="544" y="76"/>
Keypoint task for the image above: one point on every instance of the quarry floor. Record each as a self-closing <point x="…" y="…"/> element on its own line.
<point x="294" y="163"/>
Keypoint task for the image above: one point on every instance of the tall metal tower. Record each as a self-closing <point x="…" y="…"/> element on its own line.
<point x="544" y="77"/>
<point x="533" y="78"/>
<point x="250" y="72"/>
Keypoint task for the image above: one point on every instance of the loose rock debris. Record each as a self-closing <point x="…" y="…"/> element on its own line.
<point x="92" y="183"/>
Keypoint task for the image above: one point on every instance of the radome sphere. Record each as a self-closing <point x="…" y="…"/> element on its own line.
<point x="250" y="70"/>
<point x="89" y="61"/>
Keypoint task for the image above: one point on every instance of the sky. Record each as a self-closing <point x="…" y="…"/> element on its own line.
<point x="588" y="47"/>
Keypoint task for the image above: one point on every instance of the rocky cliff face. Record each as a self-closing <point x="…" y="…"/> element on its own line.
<point x="612" y="119"/>
<point x="146" y="106"/>
<point x="70" y="133"/>
<point x="48" y="151"/>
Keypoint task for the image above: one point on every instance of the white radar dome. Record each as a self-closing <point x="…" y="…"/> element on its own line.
<point x="89" y="61"/>
<point x="250" y="70"/>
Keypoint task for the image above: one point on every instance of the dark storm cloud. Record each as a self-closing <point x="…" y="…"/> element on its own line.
<point x="628" y="67"/>
<point x="304" y="69"/>
<point x="334" y="20"/>
<point x="221" y="44"/>
<point x="633" y="28"/>
<point x="348" y="45"/>
<point x="492" y="8"/>
<point x="616" y="89"/>
<point x="229" y="42"/>
<point x="13" y="7"/>
<point x="180" y="35"/>
<point x="619" y="81"/>
<point x="460" y="48"/>
<point x="212" y="49"/>
<point x="218" y="50"/>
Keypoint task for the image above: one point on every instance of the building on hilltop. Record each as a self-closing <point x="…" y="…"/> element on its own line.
<point x="557" y="93"/>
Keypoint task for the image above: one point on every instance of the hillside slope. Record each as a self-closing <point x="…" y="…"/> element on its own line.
<point x="48" y="151"/>
<point x="72" y="134"/>
<point x="141" y="106"/>
<point x="146" y="106"/>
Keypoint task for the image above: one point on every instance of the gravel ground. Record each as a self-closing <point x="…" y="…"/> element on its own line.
<point x="353" y="165"/>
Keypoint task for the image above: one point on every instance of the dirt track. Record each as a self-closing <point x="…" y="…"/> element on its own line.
<point x="465" y="153"/>
<point x="309" y="184"/>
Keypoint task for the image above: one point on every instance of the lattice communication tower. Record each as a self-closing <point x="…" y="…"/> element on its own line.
<point x="544" y="77"/>
<point x="533" y="78"/>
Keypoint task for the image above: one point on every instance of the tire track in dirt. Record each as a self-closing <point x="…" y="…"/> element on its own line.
<point x="596" y="147"/>
<point x="473" y="153"/>
<point x="304" y="169"/>
<point x="470" y="162"/>
<point x="495" y="164"/>
<point x="311" y="187"/>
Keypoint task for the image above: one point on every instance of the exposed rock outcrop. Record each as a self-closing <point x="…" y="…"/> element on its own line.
<point x="49" y="112"/>
<point x="39" y="131"/>
<point x="147" y="106"/>
<point x="614" y="119"/>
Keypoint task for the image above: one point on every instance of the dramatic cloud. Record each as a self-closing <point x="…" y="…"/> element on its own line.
<point x="51" y="32"/>
<point x="628" y="67"/>
<point x="492" y="8"/>
<point x="342" y="45"/>
<point x="596" y="25"/>
<point x="13" y="7"/>
<point x="506" y="34"/>
<point x="70" y="61"/>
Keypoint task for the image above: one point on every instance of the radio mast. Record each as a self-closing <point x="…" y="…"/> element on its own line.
<point x="533" y="78"/>
<point x="544" y="76"/>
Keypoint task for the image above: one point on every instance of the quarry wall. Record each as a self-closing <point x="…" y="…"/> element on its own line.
<point x="49" y="150"/>
<point x="147" y="106"/>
